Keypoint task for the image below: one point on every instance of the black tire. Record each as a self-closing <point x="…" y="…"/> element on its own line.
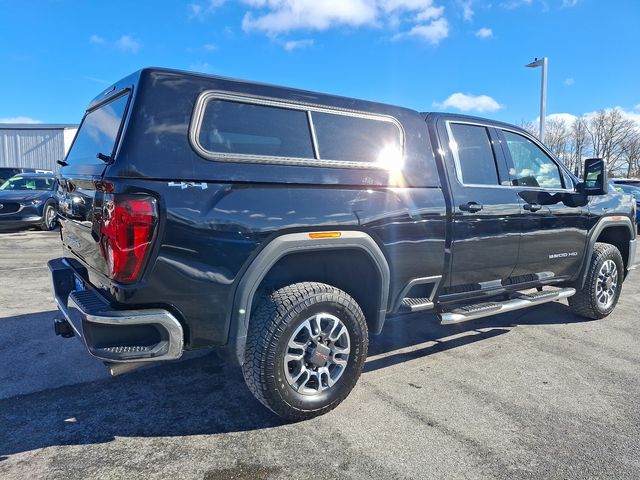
<point x="46" y="225"/>
<point x="272" y="323"/>
<point x="585" y="302"/>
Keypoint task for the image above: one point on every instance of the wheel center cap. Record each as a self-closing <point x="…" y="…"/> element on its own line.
<point x="609" y="282"/>
<point x="319" y="355"/>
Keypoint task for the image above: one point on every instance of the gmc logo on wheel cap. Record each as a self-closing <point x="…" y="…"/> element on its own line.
<point x="1" y="206"/>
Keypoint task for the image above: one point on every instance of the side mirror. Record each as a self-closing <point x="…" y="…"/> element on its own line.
<point x="596" y="179"/>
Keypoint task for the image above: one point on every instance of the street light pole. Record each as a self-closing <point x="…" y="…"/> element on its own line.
<point x="543" y="62"/>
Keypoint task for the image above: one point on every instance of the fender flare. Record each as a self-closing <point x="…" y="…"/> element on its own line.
<point x="604" y="223"/>
<point x="287" y="244"/>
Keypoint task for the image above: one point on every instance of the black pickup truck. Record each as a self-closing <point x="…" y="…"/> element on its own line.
<point x="284" y="226"/>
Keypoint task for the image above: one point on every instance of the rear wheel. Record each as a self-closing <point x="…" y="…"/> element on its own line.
<point x="306" y="347"/>
<point x="49" y="217"/>
<point x="603" y="284"/>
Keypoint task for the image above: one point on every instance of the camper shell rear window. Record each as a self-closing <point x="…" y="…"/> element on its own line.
<point x="228" y="127"/>
<point x="98" y="132"/>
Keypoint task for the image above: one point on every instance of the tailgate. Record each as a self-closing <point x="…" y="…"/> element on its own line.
<point x="81" y="193"/>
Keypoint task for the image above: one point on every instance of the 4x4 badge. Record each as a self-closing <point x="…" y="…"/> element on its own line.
<point x="183" y="185"/>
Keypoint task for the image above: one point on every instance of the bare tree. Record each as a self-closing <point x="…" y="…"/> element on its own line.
<point x="557" y="136"/>
<point x="609" y="134"/>
<point x="578" y="145"/>
<point x="608" y="130"/>
<point x="631" y="153"/>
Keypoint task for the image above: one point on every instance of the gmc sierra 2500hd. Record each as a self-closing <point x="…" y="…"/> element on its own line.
<point x="286" y="225"/>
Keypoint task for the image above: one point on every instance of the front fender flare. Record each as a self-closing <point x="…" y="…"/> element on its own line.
<point x="603" y="223"/>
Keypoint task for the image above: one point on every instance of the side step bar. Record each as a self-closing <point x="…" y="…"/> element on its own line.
<point x="410" y="305"/>
<point x="517" y="302"/>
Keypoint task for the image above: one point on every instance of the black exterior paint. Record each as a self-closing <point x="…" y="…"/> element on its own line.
<point x="210" y="231"/>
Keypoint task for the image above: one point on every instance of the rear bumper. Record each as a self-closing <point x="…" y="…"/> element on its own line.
<point x="109" y="334"/>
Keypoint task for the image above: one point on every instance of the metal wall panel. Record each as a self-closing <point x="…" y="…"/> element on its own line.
<point x="32" y="148"/>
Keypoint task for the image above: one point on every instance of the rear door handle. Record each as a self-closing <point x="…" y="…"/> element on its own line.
<point x="471" y="207"/>
<point x="532" y="207"/>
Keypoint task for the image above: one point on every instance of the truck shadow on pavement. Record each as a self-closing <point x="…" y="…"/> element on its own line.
<point x="202" y="395"/>
<point x="420" y="334"/>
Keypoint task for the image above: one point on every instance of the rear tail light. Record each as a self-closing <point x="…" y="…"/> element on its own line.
<point x="127" y="231"/>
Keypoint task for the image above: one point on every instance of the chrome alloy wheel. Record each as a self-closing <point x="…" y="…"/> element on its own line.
<point x="50" y="217"/>
<point x="317" y="354"/>
<point x="607" y="284"/>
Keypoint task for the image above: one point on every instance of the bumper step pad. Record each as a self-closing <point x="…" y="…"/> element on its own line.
<point x="413" y="304"/>
<point x="110" y="334"/>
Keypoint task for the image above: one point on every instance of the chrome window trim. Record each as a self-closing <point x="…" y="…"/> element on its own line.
<point x="456" y="158"/>
<point x="205" y="97"/>
<point x="529" y="137"/>
<point x="314" y="137"/>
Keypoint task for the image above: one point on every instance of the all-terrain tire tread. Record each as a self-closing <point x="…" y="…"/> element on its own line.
<point x="583" y="303"/>
<point x="267" y="323"/>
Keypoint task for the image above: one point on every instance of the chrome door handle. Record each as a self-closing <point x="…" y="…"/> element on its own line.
<point x="532" y="207"/>
<point x="471" y="207"/>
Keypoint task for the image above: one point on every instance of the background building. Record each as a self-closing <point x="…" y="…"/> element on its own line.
<point x="37" y="145"/>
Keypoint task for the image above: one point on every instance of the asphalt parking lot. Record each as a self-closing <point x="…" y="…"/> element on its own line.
<point x="532" y="394"/>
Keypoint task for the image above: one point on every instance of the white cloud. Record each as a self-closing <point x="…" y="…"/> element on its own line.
<point x="210" y="47"/>
<point x="484" y="32"/>
<point x="127" y="43"/>
<point x="468" y="103"/>
<point x="569" y="82"/>
<point x="421" y="18"/>
<point x="19" y="120"/>
<point x="637" y="107"/>
<point x="467" y="10"/>
<point x="201" y="67"/>
<point x="569" y="3"/>
<point x="512" y="4"/>
<point x="635" y="116"/>
<point x="96" y="39"/>
<point x="199" y="11"/>
<point x="291" y="45"/>
<point x="433" y="32"/>
<point x="569" y="118"/>
<point x="429" y="13"/>
<point x="286" y="15"/>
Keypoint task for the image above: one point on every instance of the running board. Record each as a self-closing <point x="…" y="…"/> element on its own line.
<point x="517" y="302"/>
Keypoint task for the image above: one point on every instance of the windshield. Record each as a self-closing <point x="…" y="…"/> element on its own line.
<point x="29" y="183"/>
<point x="98" y="132"/>
<point x="632" y="189"/>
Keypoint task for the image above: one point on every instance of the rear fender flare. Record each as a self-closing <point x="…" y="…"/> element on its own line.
<point x="287" y="244"/>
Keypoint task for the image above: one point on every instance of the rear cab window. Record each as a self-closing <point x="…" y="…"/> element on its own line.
<point x="473" y="154"/>
<point x="98" y="132"/>
<point x="235" y="128"/>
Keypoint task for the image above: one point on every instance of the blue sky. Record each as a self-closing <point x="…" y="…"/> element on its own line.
<point x="456" y="55"/>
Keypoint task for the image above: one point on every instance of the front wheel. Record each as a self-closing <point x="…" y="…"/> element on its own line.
<point x="603" y="284"/>
<point x="306" y="347"/>
<point x="49" y="218"/>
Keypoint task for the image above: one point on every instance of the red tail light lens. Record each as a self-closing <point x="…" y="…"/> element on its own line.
<point x="128" y="226"/>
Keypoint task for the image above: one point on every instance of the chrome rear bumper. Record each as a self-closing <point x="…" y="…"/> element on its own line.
<point x="145" y="335"/>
